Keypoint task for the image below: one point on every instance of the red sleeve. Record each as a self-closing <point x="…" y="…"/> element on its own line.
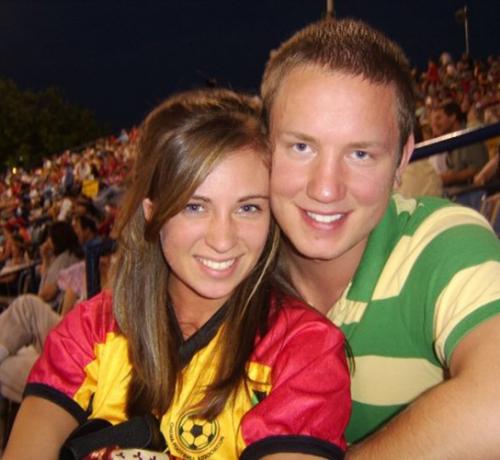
<point x="60" y="372"/>
<point x="309" y="405"/>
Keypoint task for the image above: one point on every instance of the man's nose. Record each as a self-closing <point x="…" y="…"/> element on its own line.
<point x="326" y="182"/>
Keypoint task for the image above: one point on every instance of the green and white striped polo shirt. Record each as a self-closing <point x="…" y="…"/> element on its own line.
<point x="430" y="274"/>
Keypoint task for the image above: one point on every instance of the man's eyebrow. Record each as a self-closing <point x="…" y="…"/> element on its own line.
<point x="367" y="145"/>
<point x="297" y="135"/>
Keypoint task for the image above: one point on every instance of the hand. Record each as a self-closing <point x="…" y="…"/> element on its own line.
<point x="47" y="249"/>
<point x="478" y="180"/>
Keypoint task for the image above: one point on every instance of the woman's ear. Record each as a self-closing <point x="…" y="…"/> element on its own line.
<point x="147" y="208"/>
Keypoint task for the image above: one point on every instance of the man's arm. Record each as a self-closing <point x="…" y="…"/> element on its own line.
<point x="457" y="419"/>
<point x="459" y="177"/>
<point x="47" y="289"/>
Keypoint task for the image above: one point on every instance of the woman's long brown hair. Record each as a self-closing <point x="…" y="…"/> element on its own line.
<point x="181" y="142"/>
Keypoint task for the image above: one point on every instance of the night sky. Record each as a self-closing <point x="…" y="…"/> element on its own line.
<point x="120" y="58"/>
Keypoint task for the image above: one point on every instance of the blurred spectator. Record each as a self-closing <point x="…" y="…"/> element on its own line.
<point x="60" y="250"/>
<point x="25" y="324"/>
<point x="491" y="171"/>
<point x="13" y="255"/>
<point x="463" y="163"/>
<point x="86" y="231"/>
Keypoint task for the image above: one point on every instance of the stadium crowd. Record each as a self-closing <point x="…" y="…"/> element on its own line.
<point x="472" y="84"/>
<point x="453" y="95"/>
<point x="51" y="217"/>
<point x="74" y="183"/>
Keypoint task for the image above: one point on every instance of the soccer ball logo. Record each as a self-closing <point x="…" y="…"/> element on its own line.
<point x="197" y="434"/>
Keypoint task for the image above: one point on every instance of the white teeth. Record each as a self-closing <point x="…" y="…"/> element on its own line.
<point x="324" y="219"/>
<point x="217" y="265"/>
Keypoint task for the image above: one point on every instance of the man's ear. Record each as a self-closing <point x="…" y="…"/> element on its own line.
<point x="406" y="154"/>
<point x="147" y="208"/>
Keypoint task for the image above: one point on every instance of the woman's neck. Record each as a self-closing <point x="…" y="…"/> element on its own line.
<point x="191" y="310"/>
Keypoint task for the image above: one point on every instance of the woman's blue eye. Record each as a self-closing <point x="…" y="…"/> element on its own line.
<point x="300" y="147"/>
<point x="193" y="207"/>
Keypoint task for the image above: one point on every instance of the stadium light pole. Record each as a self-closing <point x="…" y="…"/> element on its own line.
<point x="466" y="27"/>
<point x="330" y="10"/>
<point x="462" y="15"/>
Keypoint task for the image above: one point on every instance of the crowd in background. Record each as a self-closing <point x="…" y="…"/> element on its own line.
<point x="51" y="218"/>
<point x="473" y="84"/>
<point x="453" y="95"/>
<point x="87" y="182"/>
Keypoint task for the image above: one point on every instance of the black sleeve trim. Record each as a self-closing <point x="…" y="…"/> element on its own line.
<point x="292" y="444"/>
<point x="44" y="391"/>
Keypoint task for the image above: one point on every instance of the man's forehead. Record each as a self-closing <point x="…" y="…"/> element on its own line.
<point x="301" y="86"/>
<point x="303" y="73"/>
<point x="355" y="115"/>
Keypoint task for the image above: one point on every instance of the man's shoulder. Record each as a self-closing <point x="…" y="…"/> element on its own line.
<point x="436" y="237"/>
<point x="419" y="216"/>
<point x="414" y="237"/>
<point x="471" y="148"/>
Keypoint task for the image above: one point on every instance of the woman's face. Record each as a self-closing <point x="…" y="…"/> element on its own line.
<point x="216" y="240"/>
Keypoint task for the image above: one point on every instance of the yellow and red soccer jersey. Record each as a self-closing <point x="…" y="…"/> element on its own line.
<point x="297" y="398"/>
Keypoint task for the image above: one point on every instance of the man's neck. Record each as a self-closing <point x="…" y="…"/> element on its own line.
<point x="322" y="282"/>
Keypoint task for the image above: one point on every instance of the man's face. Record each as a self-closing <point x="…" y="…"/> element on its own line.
<point x="80" y="233"/>
<point x="335" y="144"/>
<point x="441" y="123"/>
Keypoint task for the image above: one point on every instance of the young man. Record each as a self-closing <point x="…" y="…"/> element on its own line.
<point x="464" y="163"/>
<point x="414" y="284"/>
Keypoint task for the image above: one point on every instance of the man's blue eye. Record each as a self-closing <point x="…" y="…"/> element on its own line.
<point x="360" y="154"/>
<point x="249" y="208"/>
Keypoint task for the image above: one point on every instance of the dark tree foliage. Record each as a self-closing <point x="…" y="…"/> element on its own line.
<point x="35" y="125"/>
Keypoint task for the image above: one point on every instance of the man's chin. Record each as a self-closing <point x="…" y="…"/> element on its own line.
<point x="310" y="253"/>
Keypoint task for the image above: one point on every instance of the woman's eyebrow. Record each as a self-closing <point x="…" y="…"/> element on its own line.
<point x="253" y="197"/>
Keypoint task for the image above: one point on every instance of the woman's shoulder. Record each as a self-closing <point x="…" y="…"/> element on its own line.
<point x="94" y="315"/>
<point x="297" y="333"/>
<point x="290" y="315"/>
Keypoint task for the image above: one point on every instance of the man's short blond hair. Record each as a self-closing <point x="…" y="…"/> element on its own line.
<point x="347" y="46"/>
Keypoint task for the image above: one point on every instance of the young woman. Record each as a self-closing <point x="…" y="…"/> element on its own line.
<point x="195" y="333"/>
<point x="60" y="250"/>
<point x="14" y="255"/>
